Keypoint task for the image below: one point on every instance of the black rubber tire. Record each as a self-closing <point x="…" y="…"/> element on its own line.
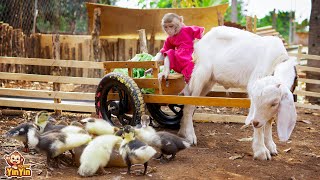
<point x="126" y="84"/>
<point x="165" y="120"/>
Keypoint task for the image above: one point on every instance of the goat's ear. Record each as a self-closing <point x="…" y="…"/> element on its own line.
<point x="287" y="115"/>
<point x="250" y="115"/>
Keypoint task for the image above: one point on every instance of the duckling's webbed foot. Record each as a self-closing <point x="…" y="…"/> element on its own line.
<point x="102" y="171"/>
<point x="64" y="160"/>
<point x="51" y="163"/>
<point x="172" y="157"/>
<point x="159" y="157"/>
<point x="145" y="168"/>
<point x="26" y="148"/>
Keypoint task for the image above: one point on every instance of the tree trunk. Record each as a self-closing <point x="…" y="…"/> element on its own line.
<point x="314" y="48"/>
<point x="234" y="11"/>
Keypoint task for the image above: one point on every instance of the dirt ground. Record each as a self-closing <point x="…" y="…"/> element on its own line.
<point x="219" y="154"/>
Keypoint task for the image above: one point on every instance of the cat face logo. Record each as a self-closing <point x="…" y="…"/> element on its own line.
<point x="16" y="166"/>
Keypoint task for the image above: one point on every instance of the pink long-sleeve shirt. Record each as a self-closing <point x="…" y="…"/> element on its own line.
<point x="179" y="49"/>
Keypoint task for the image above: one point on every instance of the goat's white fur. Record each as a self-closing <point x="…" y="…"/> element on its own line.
<point x="237" y="58"/>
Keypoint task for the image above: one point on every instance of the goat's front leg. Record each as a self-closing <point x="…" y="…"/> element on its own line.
<point x="268" y="138"/>
<point x="260" y="151"/>
<point x="186" y="124"/>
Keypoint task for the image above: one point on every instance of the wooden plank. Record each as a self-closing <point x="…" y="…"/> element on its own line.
<point x="311" y="81"/>
<point x="293" y="54"/>
<point x="130" y="64"/>
<point x="147" y="82"/>
<point x="308" y="56"/>
<point x="46" y="94"/>
<point x="38" y="104"/>
<point x="308" y="106"/>
<point x="198" y="101"/>
<point x="264" y="28"/>
<point x="306" y="93"/>
<point x="48" y="78"/>
<point x="307" y="68"/>
<point x="204" y="117"/>
<point x="220" y="118"/>
<point x="126" y="21"/>
<point x="51" y="62"/>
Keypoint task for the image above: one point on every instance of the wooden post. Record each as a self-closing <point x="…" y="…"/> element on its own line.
<point x="220" y="19"/>
<point x="143" y="41"/>
<point x="79" y="70"/>
<point x="37" y="50"/>
<point x="151" y="44"/>
<point x="56" y="70"/>
<point x="73" y="57"/>
<point x="249" y="23"/>
<point x="95" y="38"/>
<point x="1" y="41"/>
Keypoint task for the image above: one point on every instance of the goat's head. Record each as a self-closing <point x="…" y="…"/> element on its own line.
<point x="269" y="99"/>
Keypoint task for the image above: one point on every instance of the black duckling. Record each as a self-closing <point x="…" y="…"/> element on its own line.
<point x="54" y="143"/>
<point x="134" y="151"/>
<point x="20" y="133"/>
<point x="167" y="143"/>
<point x="98" y="126"/>
<point x="97" y="154"/>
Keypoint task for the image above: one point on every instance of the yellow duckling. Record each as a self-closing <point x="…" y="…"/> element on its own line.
<point x="98" y="126"/>
<point x="46" y="122"/>
<point x="97" y="154"/>
<point x="134" y="151"/>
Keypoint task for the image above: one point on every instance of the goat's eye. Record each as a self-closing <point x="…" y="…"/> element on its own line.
<point x="274" y="104"/>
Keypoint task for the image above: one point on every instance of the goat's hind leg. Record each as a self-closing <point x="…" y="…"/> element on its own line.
<point x="268" y="138"/>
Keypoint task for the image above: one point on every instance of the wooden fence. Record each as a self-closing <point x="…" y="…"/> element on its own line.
<point x="83" y="102"/>
<point x="14" y="43"/>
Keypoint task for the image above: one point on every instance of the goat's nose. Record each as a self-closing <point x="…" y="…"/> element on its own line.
<point x="255" y="123"/>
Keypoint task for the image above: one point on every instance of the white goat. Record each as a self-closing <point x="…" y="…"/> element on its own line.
<point x="237" y="58"/>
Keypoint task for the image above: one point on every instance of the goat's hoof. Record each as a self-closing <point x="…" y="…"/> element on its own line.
<point x="262" y="154"/>
<point x="272" y="147"/>
<point x="190" y="137"/>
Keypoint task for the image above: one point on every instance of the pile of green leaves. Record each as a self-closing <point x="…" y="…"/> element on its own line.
<point x="139" y="72"/>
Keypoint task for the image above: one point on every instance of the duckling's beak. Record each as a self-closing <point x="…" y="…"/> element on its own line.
<point x="11" y="134"/>
<point x="51" y="119"/>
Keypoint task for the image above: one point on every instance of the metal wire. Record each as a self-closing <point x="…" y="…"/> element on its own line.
<point x="58" y="16"/>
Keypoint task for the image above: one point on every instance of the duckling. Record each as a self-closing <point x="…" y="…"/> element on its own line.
<point x="134" y="151"/>
<point x="98" y="126"/>
<point x="46" y="122"/>
<point x="114" y="161"/>
<point x="19" y="133"/>
<point x="97" y="154"/>
<point x="167" y="143"/>
<point x="76" y="123"/>
<point x="61" y="122"/>
<point x="54" y="143"/>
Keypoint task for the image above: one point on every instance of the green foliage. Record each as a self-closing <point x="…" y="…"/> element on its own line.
<point x="241" y="16"/>
<point x="282" y="23"/>
<point x="139" y="72"/>
<point x="303" y="26"/>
